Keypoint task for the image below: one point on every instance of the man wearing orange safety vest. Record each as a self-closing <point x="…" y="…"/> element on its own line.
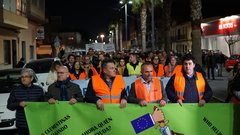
<point x="106" y="87"/>
<point x="147" y="89"/>
<point x="188" y="86"/>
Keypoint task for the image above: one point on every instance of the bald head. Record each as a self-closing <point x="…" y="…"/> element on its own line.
<point x="62" y="73"/>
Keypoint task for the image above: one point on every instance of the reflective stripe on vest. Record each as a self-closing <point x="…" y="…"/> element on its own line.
<point x="155" y="94"/>
<point x="132" y="72"/>
<point x="102" y="90"/>
<point x="179" y="85"/>
<point x="178" y="68"/>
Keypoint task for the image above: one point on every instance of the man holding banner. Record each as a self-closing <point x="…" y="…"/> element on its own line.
<point x="20" y="95"/>
<point x="106" y="87"/>
<point x="63" y="89"/>
<point x="188" y="86"/>
<point x="147" y="89"/>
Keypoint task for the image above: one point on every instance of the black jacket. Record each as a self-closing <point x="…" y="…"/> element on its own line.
<point x="23" y="93"/>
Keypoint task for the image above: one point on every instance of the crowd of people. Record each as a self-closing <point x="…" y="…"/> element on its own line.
<point x="187" y="83"/>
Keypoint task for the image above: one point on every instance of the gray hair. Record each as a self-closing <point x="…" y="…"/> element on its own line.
<point x="28" y="70"/>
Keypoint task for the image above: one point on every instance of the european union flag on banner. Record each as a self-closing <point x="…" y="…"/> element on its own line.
<point x="142" y="123"/>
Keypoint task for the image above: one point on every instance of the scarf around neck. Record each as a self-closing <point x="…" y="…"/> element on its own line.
<point x="63" y="88"/>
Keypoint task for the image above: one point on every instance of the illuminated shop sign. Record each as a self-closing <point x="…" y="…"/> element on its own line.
<point x="226" y="26"/>
<point x="222" y="26"/>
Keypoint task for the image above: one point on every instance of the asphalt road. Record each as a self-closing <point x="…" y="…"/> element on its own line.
<point x="219" y="87"/>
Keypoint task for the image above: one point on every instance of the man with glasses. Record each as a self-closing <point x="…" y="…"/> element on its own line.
<point x="19" y="97"/>
<point x="88" y="67"/>
<point x="63" y="89"/>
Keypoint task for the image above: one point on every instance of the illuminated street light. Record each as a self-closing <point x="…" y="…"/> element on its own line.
<point x="102" y="36"/>
<point x="129" y="2"/>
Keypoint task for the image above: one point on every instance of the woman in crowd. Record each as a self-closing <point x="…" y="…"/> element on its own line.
<point x="77" y="72"/>
<point x="121" y="66"/>
<point x="158" y="68"/>
<point x="172" y="67"/>
<point x="52" y="76"/>
<point x="231" y="76"/>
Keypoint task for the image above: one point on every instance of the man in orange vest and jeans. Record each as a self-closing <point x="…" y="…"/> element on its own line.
<point x="147" y="89"/>
<point x="188" y="86"/>
<point x="106" y="87"/>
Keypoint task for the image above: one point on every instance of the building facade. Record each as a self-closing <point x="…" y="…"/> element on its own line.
<point x="18" y="30"/>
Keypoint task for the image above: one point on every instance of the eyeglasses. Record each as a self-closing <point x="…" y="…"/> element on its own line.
<point x="25" y="76"/>
<point x="61" y="72"/>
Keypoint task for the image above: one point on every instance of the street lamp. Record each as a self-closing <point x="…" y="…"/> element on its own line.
<point x="102" y="36"/>
<point x="129" y="2"/>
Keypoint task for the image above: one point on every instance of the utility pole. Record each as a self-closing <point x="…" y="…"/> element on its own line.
<point x="126" y="23"/>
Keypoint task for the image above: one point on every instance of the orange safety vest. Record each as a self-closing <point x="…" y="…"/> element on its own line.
<point x="81" y="76"/>
<point x="178" y="68"/>
<point x="179" y="85"/>
<point x="160" y="71"/>
<point x="94" y="71"/>
<point x="102" y="90"/>
<point x="155" y="92"/>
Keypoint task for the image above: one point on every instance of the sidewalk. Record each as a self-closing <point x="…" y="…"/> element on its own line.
<point x="219" y="87"/>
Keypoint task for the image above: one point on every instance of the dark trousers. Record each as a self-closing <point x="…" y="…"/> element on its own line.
<point x="23" y="131"/>
<point x="212" y="72"/>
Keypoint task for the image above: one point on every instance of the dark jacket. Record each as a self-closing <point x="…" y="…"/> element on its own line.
<point x="20" y="64"/>
<point x="236" y="82"/>
<point x="73" y="91"/>
<point x="210" y="61"/>
<point x="23" y="93"/>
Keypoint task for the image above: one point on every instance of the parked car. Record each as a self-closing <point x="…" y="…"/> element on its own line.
<point x="41" y="67"/>
<point x="231" y="61"/>
<point x="9" y="79"/>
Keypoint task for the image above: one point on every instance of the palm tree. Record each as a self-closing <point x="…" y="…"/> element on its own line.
<point x="196" y="16"/>
<point x="116" y="24"/>
<point x="142" y="6"/>
<point x="167" y="24"/>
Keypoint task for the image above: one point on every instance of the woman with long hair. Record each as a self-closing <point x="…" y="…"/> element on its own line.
<point x="52" y="76"/>
<point x="121" y="66"/>
<point x="157" y="66"/>
<point x="77" y="72"/>
<point x="231" y="76"/>
<point x="172" y="67"/>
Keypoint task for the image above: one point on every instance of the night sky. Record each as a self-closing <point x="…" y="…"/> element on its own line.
<point x="93" y="16"/>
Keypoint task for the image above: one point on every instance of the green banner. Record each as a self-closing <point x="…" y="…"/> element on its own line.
<point x="85" y="119"/>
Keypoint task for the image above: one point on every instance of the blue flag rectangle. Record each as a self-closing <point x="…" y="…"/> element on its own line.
<point x="142" y="123"/>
